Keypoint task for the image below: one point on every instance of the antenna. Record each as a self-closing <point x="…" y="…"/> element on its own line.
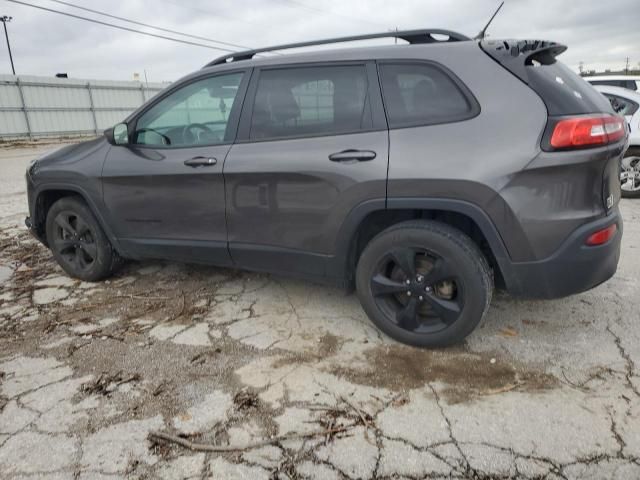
<point x="483" y="32"/>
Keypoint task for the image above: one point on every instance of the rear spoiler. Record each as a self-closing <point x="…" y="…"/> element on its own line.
<point x="516" y="55"/>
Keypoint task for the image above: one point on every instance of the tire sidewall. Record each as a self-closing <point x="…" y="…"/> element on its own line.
<point x="442" y="242"/>
<point x="102" y="264"/>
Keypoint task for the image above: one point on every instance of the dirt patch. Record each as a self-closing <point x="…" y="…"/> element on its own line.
<point x="468" y="375"/>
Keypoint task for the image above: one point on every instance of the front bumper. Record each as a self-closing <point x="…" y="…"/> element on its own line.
<point x="573" y="268"/>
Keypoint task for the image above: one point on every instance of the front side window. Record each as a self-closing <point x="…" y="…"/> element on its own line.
<point x="421" y="94"/>
<point x="196" y="114"/>
<point x="310" y="101"/>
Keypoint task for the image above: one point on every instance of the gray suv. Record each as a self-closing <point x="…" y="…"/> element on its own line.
<point x="423" y="174"/>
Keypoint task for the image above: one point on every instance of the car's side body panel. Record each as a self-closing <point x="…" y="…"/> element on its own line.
<point x="286" y="200"/>
<point x="281" y="205"/>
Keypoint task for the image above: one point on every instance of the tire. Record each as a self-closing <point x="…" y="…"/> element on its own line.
<point x="77" y="241"/>
<point x="630" y="164"/>
<point x="451" y="287"/>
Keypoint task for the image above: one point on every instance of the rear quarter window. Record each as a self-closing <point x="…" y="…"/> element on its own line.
<point x="424" y="94"/>
<point x="563" y="91"/>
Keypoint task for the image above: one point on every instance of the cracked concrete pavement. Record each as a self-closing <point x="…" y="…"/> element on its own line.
<point x="541" y="390"/>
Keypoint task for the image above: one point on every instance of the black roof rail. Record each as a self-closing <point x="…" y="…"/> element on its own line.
<point x="411" y="36"/>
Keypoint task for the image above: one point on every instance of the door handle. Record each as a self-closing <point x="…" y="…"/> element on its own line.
<point x="352" y="155"/>
<point x="200" y="162"/>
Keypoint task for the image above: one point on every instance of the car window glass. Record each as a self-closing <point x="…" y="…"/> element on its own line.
<point x="310" y="101"/>
<point x="419" y="94"/>
<point x="196" y="114"/>
<point x="622" y="106"/>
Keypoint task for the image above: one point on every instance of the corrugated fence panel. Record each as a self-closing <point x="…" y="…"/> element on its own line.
<point x="13" y="124"/>
<point x="108" y="118"/>
<point x="9" y="95"/>
<point x="105" y="98"/>
<point x="61" y="121"/>
<point x="61" y="106"/>
<point x="55" y="97"/>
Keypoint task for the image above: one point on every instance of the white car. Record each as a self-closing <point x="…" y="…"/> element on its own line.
<point x="631" y="82"/>
<point x="627" y="103"/>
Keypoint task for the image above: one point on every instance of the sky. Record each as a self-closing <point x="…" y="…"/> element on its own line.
<point x="601" y="34"/>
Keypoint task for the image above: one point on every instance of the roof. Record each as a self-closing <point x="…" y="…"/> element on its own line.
<point x="422" y="36"/>
<point x="406" y="51"/>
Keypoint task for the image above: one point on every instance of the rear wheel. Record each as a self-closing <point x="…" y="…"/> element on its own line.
<point x="77" y="241"/>
<point x="424" y="283"/>
<point x="630" y="173"/>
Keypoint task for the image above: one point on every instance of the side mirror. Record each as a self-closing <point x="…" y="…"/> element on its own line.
<point x="118" y="135"/>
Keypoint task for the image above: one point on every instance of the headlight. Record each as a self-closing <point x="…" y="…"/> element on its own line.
<point x="31" y="169"/>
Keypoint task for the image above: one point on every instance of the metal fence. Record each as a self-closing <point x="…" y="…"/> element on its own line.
<point x="35" y="107"/>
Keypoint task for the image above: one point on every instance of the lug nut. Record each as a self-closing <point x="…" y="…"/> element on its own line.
<point x="408" y="282"/>
<point x="427" y="289"/>
<point x="421" y="298"/>
<point x="419" y="278"/>
<point x="408" y="293"/>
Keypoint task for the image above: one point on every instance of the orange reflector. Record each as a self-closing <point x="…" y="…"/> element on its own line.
<point x="602" y="236"/>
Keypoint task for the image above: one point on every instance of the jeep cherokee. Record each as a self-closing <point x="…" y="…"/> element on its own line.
<point x="424" y="174"/>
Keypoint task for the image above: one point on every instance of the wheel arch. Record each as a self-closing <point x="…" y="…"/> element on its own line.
<point x="46" y="195"/>
<point x="371" y="217"/>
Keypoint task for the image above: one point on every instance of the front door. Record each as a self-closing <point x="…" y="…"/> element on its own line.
<point x="310" y="148"/>
<point x="165" y="191"/>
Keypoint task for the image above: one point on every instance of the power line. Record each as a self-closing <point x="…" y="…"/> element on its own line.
<point x="120" y="27"/>
<point x="150" y="26"/>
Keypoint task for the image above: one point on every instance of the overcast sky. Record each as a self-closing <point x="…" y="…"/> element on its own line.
<point x="599" y="33"/>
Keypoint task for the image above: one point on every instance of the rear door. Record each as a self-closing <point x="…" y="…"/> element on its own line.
<point x="312" y="145"/>
<point x="165" y="191"/>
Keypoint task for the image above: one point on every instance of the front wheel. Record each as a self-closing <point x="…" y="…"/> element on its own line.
<point x="630" y="174"/>
<point x="77" y="241"/>
<point x="424" y="283"/>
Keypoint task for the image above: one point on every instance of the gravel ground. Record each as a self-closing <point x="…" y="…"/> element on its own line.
<point x="221" y="357"/>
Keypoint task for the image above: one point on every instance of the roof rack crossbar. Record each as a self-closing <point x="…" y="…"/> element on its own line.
<point x="411" y="36"/>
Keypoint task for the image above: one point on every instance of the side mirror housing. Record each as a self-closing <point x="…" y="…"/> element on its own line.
<point x="118" y="135"/>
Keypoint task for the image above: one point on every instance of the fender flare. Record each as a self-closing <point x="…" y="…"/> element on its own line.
<point x="360" y="212"/>
<point x="40" y="189"/>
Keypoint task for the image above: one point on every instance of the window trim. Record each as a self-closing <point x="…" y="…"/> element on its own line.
<point x="234" y="114"/>
<point x="460" y="85"/>
<point x="378" y="122"/>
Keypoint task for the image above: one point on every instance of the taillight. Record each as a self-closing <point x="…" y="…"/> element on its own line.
<point x="584" y="131"/>
<point x="601" y="236"/>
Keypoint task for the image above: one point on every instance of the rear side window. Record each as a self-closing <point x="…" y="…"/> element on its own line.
<point x="423" y="94"/>
<point x="563" y="91"/>
<point x="310" y="101"/>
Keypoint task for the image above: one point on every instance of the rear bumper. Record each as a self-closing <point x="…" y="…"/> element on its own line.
<point x="573" y="268"/>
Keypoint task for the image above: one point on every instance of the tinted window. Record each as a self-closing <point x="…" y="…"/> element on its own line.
<point x="563" y="91"/>
<point x="622" y="106"/>
<point x="196" y="114"/>
<point x="420" y="94"/>
<point x="310" y="101"/>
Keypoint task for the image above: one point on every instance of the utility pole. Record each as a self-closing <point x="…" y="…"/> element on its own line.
<point x="626" y="68"/>
<point x="4" y="19"/>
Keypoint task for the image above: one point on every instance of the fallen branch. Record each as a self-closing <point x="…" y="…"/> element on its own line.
<point x="206" y="447"/>
<point x="362" y="416"/>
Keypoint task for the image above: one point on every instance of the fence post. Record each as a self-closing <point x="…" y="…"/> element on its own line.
<point x="92" y="108"/>
<point x="24" y="109"/>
